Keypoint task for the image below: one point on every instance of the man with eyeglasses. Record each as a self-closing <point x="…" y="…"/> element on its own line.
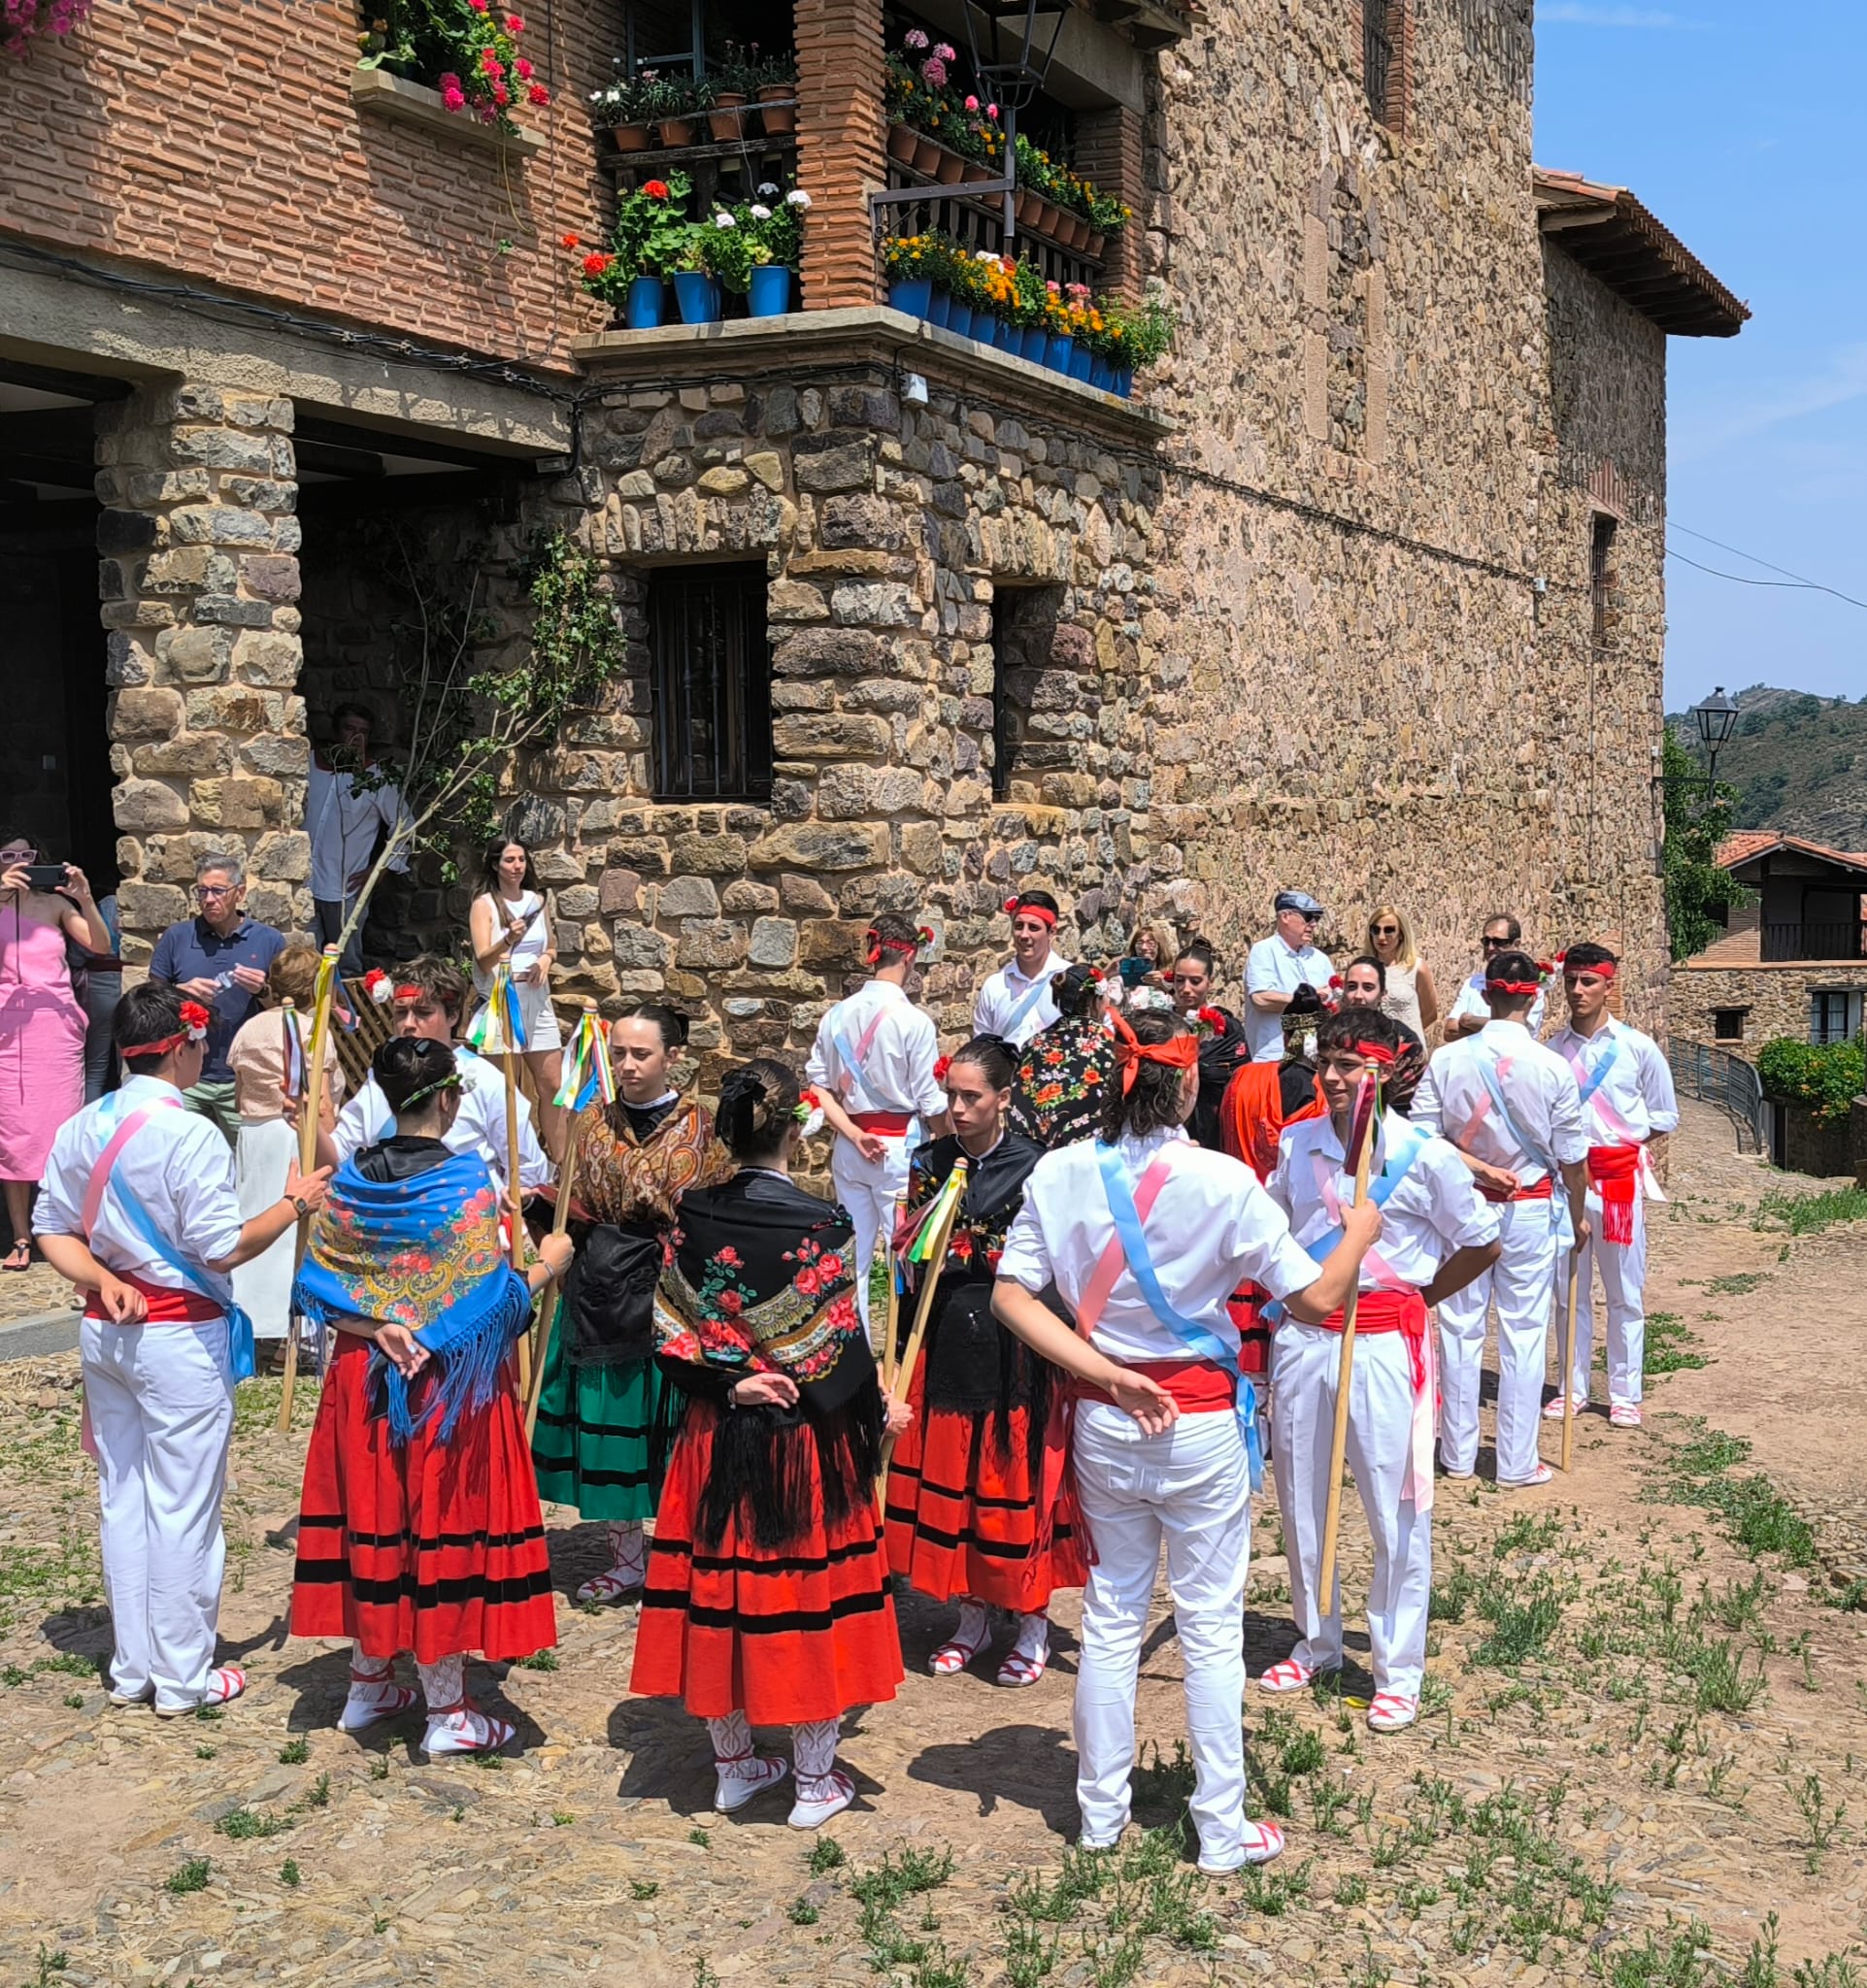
<point x="218" y="958"/>
<point x="1472" y="1011"/>
<point x="1276" y="967"/>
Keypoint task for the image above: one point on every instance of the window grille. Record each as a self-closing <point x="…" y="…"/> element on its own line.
<point x="711" y="684"/>
<point x="1378" y="19"/>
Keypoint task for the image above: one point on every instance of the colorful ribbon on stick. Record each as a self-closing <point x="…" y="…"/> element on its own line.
<point x="499" y="1025"/>
<point x="587" y="1075"/>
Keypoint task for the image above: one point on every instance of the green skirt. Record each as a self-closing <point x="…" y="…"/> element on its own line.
<point x="593" y="1440"/>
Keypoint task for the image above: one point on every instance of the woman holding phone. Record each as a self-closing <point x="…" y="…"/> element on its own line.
<point x="42" y="1026"/>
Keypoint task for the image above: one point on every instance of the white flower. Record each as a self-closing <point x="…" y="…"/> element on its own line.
<point x="724" y="221"/>
<point x="761" y="213"/>
<point x="767" y="189"/>
<point x="797" y="197"/>
<point x="986" y="254"/>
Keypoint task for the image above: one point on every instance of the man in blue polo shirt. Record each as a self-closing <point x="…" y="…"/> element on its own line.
<point x="218" y="958"/>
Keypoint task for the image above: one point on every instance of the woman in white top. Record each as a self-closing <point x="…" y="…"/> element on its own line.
<point x="511" y="921"/>
<point x="1410" y="997"/>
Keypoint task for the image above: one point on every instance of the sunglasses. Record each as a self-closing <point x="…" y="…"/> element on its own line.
<point x="1381" y="930"/>
<point x="1491" y="944"/>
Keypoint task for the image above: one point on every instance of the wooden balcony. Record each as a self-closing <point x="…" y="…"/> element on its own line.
<point x="1840" y="939"/>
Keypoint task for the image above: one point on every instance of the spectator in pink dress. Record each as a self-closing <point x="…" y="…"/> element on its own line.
<point x="42" y="1026"/>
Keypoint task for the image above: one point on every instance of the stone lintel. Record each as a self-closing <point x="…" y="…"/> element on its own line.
<point x="743" y="347"/>
<point x="404" y="102"/>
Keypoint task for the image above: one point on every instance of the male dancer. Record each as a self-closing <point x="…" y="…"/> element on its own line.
<point x="1628" y="1090"/>
<point x="1015" y="1002"/>
<point x="1513" y="1109"/>
<point x="1437" y="1234"/>
<point x="138" y="1210"/>
<point x="430" y="999"/>
<point x="872" y="1065"/>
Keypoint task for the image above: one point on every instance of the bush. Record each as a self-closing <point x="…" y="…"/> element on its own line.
<point x="1826" y="1076"/>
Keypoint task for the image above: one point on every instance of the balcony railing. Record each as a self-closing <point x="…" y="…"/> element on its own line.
<point x="980" y="223"/>
<point x="1841" y="938"/>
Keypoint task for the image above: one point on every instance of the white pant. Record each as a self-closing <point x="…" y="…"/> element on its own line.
<point x="161" y="1400"/>
<point x="1522" y="1281"/>
<point x="1305" y="1363"/>
<point x="1192" y="1486"/>
<point x="1623" y="1282"/>
<point x="869" y="1192"/>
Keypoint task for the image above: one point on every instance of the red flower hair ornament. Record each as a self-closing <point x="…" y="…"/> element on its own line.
<point x="195" y="1020"/>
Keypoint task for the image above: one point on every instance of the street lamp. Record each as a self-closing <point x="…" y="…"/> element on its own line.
<point x="1717" y="719"/>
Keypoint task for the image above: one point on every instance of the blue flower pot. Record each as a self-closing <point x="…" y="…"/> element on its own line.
<point x="940" y="311"/>
<point x="770" y="294"/>
<point x="1037" y="345"/>
<point x="987" y="329"/>
<point x="1125" y="382"/>
<point x="647" y="301"/>
<point x="1056" y="352"/>
<point x="1101" y="372"/>
<point x="698" y="296"/>
<point x="959" y="317"/>
<point x="915" y="296"/>
<point x="1081" y="360"/>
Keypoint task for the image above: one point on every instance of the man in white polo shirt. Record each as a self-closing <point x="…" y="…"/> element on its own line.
<point x="1276" y="967"/>
<point x="1015" y="1003"/>
<point x="1472" y="1010"/>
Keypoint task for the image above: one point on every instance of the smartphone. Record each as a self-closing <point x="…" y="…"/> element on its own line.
<point x="45" y="877"/>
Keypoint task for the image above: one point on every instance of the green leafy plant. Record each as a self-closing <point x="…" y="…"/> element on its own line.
<point x="470" y="54"/>
<point x="190" y="1876"/>
<point x="652" y="237"/>
<point x="1826" y="1076"/>
<point x="1700" y="895"/>
<point x="774" y="224"/>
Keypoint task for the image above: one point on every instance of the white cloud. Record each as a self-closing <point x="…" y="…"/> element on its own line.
<point x="1576" y="13"/>
<point x="1842" y="382"/>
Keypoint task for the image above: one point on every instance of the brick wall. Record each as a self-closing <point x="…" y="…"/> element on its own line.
<point x="841" y="146"/>
<point x="219" y="142"/>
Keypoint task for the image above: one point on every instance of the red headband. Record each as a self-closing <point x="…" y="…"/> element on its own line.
<point x="1604" y="970"/>
<point x="411" y="993"/>
<point x="1376" y="1053"/>
<point x="1017" y="907"/>
<point x="1512" y="986"/>
<point x="1130" y="1053"/>
<point x="193" y="1029"/>
<point x="877" y="946"/>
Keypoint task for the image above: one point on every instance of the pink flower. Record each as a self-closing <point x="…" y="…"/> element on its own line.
<point x="537" y="94"/>
<point x="522" y="70"/>
<point x="451" y="94"/>
<point x="934" y="71"/>
<point x="1054" y="287"/>
<point x="480" y="6"/>
<point x="915" y="38"/>
<point x="944" y="51"/>
<point x="501" y="95"/>
<point x="972" y="103"/>
<point x="490" y="64"/>
<point x="515" y="25"/>
<point x="992" y="110"/>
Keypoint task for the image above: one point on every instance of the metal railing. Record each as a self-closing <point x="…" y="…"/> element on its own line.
<point x="1828" y="939"/>
<point x="1717" y="1077"/>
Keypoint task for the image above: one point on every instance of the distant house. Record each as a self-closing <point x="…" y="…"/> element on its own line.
<point x="1794" y="962"/>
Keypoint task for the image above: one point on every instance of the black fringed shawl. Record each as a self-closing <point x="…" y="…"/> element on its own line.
<point x="762" y="1281"/>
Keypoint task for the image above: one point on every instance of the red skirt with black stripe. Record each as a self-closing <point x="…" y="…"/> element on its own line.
<point x="787" y="1636"/>
<point x="962" y="1513"/>
<point x="430" y="1548"/>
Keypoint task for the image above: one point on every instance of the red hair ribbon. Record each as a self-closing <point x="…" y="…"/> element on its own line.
<point x="1604" y="970"/>
<point x="1017" y="907"/>
<point x="877" y="946"/>
<point x="1130" y="1052"/>
<point x="1376" y="1053"/>
<point x="1097" y="975"/>
<point x="194" y="1028"/>
<point x="1513" y="986"/>
<point x="942" y="1065"/>
<point x="160" y="1049"/>
<point x="411" y="993"/>
<point x="377" y="984"/>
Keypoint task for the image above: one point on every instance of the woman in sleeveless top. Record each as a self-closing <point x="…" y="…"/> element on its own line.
<point x="1410" y="997"/>
<point x="510" y="922"/>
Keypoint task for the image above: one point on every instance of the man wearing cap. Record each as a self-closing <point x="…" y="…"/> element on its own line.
<point x="1627" y="1099"/>
<point x="1512" y="1108"/>
<point x="1472" y="1010"/>
<point x="1016" y="1002"/>
<point x="1276" y="967"/>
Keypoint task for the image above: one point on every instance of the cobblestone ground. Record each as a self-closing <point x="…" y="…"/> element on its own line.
<point x="1644" y="1762"/>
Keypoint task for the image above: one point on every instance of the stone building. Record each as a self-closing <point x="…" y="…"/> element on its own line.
<point x="1362" y="590"/>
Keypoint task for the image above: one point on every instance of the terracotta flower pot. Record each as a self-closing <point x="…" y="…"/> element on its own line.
<point x="676" y="131"/>
<point x="1047" y="222"/>
<point x="1030" y="209"/>
<point x="901" y="144"/>
<point x="927" y="154"/>
<point x="777" y="106"/>
<point x="630" y="137"/>
<point x="723" y="119"/>
<point x="1094" y="246"/>
<point x="973" y="173"/>
<point x="949" y="169"/>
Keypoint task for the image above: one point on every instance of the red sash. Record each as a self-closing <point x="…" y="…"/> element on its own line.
<point x="167" y="1305"/>
<point x="1401" y="1312"/>
<point x="1198" y="1386"/>
<point x="1616" y="1171"/>
<point x="1542" y="1191"/>
<point x="884" y="1124"/>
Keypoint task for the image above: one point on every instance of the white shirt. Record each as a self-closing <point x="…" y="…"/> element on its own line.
<point x="1274" y="966"/>
<point x="1472" y="1006"/>
<point x="1634" y="1100"/>
<point x="479" y="1127"/>
<point x="524" y="951"/>
<point x="897" y="1068"/>
<point x="343" y="825"/>
<point x="1435" y="1210"/>
<point x="1539" y="1086"/>
<point x="177" y="1165"/>
<point x="1005" y="990"/>
<point x="1211" y="1229"/>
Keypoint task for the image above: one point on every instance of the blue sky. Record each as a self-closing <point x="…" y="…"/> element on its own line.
<point x="1740" y="126"/>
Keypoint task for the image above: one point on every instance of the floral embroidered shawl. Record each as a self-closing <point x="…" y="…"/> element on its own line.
<point x="1057" y="1096"/>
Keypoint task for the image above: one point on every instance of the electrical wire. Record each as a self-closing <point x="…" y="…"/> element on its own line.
<point x="1789" y="580"/>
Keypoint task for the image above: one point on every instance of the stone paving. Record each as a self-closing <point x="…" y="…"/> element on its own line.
<point x="1640" y="1744"/>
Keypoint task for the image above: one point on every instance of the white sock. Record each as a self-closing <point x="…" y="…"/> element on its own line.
<point x="814" y="1750"/>
<point x="1033" y="1637"/>
<point x="629" y="1545"/>
<point x="732" y="1738"/>
<point x="443" y="1685"/>
<point x="975" y="1623"/>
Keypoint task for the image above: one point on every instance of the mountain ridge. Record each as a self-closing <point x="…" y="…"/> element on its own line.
<point x="1798" y="761"/>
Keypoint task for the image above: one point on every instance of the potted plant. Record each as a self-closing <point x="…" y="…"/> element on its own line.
<point x="469" y="54"/>
<point x="773" y="80"/>
<point x="622" y="106"/>
<point x="670" y="102"/>
<point x="912" y="264"/>
<point x="776" y="227"/>
<point x="650" y="237"/>
<point x="732" y="88"/>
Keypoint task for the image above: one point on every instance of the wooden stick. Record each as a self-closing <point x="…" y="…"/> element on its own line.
<point x="310" y="1110"/>
<point x="1345" y="1370"/>
<point x="516" y="1239"/>
<point x="548" y="1302"/>
<point x="924" y="1311"/>
<point x="1568" y="1361"/>
<point x="894" y="1296"/>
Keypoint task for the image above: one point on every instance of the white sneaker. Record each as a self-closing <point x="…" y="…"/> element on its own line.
<point x="464" y="1731"/>
<point x="1262" y="1842"/>
<point x="1552" y="1407"/>
<point x="372" y="1699"/>
<point x="739" y="1780"/>
<point x="819" y="1799"/>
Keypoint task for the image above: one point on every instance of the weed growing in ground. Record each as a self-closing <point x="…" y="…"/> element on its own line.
<point x="1803" y="1214"/>
<point x="241" y="1824"/>
<point x="1672" y="1347"/>
<point x="827" y="1854"/>
<point x="1822" y="1822"/>
<point x="288" y="1872"/>
<point x="1681" y="1958"/>
<point x="294" y="1753"/>
<point x="538" y="1660"/>
<point x="191" y="1877"/>
<point x="1754" y="1513"/>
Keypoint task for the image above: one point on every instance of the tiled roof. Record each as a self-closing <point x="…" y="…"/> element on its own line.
<point x="1744" y="844"/>
<point x="1609" y="232"/>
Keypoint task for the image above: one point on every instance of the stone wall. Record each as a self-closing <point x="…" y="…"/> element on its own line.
<point x="1776" y="998"/>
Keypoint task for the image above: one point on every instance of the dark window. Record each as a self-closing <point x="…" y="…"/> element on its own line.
<point x="712" y="684"/>
<point x="1380" y="19"/>
<point x="1601" y="574"/>
<point x="1828" y="1017"/>
<point x="1007" y="724"/>
<point x="1728" y="1025"/>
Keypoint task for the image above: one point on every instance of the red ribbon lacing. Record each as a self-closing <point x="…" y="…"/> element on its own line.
<point x="1513" y="986"/>
<point x="1130" y="1052"/>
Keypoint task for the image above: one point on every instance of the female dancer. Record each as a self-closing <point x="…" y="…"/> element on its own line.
<point x="963" y="1485"/>
<point x="595" y="1444"/>
<point x="1065" y="1069"/>
<point x="419" y="1528"/>
<point x="767" y="1600"/>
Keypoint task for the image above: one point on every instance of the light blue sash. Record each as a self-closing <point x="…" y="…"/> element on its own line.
<point x="1493" y="1082"/>
<point x="1199" y="1340"/>
<point x="1601" y="1068"/>
<point x="1380" y="1188"/>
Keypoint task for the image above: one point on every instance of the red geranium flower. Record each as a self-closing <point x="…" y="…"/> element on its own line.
<point x="656" y="189"/>
<point x="595" y="265"/>
<point x="537" y="94"/>
<point x="568" y="241"/>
